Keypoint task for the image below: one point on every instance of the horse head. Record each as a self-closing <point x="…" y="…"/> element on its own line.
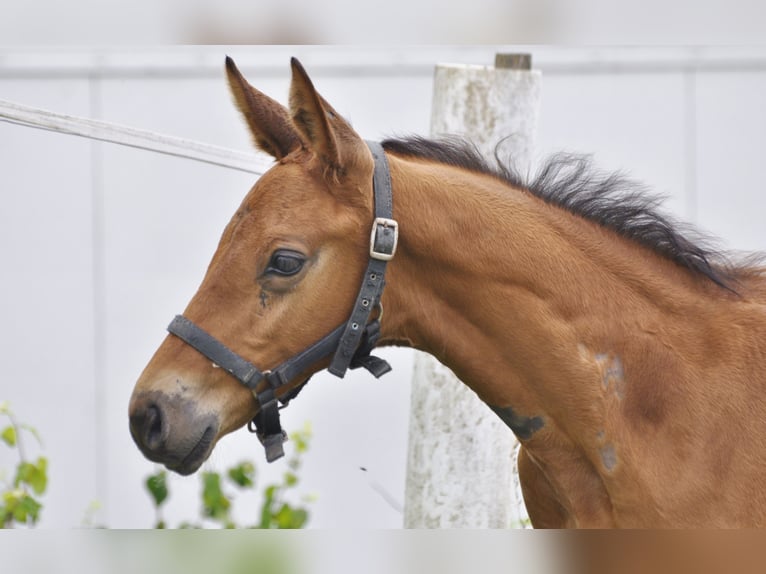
<point x="284" y="274"/>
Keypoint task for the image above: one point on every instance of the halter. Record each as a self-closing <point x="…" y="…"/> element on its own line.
<point x="350" y="343"/>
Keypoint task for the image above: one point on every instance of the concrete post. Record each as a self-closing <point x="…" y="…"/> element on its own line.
<point x="461" y="470"/>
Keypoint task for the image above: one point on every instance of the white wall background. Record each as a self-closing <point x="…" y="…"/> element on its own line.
<point x="101" y="245"/>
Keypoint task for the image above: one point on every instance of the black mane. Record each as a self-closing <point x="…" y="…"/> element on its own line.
<point x="611" y="200"/>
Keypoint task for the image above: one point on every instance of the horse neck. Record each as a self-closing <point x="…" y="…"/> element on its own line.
<point x="518" y="297"/>
<point x="629" y="365"/>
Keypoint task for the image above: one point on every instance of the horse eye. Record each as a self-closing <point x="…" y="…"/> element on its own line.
<point x="285" y="263"/>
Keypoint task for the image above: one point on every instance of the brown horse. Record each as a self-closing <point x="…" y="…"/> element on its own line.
<point x="629" y="360"/>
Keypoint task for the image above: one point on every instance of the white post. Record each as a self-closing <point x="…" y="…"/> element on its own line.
<point x="460" y="460"/>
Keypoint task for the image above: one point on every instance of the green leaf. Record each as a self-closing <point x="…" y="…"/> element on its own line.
<point x="157" y="486"/>
<point x="28" y="509"/>
<point x="9" y="436"/>
<point x="300" y="440"/>
<point x="20" y="507"/>
<point x="33" y="474"/>
<point x="40" y="480"/>
<point x="215" y="503"/>
<point x="289" y="517"/>
<point x="290" y="479"/>
<point x="269" y="494"/>
<point x="268" y="502"/>
<point x="300" y="517"/>
<point x="243" y="475"/>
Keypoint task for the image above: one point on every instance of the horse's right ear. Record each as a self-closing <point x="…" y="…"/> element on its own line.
<point x="269" y="121"/>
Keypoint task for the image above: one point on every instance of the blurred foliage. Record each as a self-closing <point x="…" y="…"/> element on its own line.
<point x="20" y="496"/>
<point x="21" y="489"/>
<point x="217" y="500"/>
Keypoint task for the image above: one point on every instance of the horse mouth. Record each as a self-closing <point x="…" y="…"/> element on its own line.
<point x="197" y="455"/>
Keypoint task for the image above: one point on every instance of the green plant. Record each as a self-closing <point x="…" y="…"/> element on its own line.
<point x="217" y="501"/>
<point x="20" y="504"/>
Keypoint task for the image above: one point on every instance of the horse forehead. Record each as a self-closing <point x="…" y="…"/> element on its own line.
<point x="280" y="194"/>
<point x="283" y="182"/>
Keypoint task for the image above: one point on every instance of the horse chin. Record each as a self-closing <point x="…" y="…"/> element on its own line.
<point x="198" y="454"/>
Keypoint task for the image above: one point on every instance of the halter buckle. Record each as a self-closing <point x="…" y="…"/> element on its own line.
<point x="384" y="239"/>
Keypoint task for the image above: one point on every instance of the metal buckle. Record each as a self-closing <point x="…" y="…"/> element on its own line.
<point x="386" y="224"/>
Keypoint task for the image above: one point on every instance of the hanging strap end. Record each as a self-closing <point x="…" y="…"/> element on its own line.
<point x="273" y="444"/>
<point x="376" y="366"/>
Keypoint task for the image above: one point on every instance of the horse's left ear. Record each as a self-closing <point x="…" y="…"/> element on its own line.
<point x="324" y="130"/>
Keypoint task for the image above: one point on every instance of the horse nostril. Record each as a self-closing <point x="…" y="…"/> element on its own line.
<point x="148" y="427"/>
<point x="153" y="427"/>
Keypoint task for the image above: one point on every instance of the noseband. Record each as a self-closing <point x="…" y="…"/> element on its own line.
<point x="350" y="344"/>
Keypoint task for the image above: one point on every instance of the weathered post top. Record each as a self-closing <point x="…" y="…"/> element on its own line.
<point x="513" y="61"/>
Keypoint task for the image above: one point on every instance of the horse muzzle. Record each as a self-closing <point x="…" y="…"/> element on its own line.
<point x="171" y="430"/>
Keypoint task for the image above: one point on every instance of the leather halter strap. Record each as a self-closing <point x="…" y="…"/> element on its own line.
<point x="350" y="343"/>
<point x="383" y="240"/>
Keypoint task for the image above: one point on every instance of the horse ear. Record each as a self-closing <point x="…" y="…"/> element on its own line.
<point x="324" y="129"/>
<point x="269" y="121"/>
